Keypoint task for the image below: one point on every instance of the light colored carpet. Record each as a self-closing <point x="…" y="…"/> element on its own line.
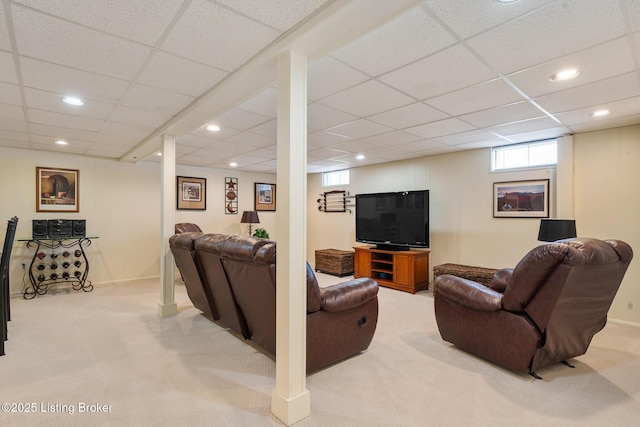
<point x="109" y="347"/>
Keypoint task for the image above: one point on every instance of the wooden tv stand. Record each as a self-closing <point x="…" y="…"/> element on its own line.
<point x="403" y="270"/>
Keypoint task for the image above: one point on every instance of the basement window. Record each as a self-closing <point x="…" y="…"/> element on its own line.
<point x="334" y="178"/>
<point x="526" y="155"/>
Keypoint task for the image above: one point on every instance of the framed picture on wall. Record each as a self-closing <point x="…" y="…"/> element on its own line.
<point x="57" y="190"/>
<point x="521" y="199"/>
<point x="192" y="193"/>
<point x="265" y="197"/>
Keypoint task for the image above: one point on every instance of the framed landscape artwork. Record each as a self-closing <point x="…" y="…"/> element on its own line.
<point x="521" y="199"/>
<point x="57" y="190"/>
<point x="192" y="193"/>
<point x="265" y="197"/>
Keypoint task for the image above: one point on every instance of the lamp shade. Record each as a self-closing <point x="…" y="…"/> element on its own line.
<point x="556" y="229"/>
<point x="250" y="217"/>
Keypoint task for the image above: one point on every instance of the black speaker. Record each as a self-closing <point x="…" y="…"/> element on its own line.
<point x="59" y="227"/>
<point x="39" y="228"/>
<point x="79" y="227"/>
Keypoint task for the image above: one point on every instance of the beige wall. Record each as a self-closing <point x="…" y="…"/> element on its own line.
<point x="121" y="203"/>
<point x="606" y="168"/>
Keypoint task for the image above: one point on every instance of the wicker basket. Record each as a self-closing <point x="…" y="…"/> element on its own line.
<point x="334" y="262"/>
<point x="477" y="274"/>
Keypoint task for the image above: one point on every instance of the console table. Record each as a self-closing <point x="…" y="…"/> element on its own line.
<point x="403" y="270"/>
<point x="58" y="260"/>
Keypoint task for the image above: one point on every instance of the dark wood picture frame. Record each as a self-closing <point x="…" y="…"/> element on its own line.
<point x="521" y="199"/>
<point x="57" y="189"/>
<point x="191" y="193"/>
<point x="265" y="197"/>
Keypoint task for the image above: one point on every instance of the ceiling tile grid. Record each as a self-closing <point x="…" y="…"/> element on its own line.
<point x="438" y="77"/>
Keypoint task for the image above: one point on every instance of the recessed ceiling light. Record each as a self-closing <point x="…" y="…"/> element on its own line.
<point x="507" y="1"/>
<point x="158" y="154"/>
<point x="565" y="75"/>
<point x="61" y="142"/>
<point x="213" y="128"/>
<point x="600" y="113"/>
<point x="233" y="164"/>
<point x="72" y="100"/>
<point x="360" y="157"/>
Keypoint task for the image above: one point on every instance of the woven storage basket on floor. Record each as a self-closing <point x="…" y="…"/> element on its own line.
<point x="477" y="274"/>
<point x="334" y="261"/>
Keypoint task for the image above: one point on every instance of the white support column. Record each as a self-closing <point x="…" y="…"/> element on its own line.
<point x="167" y="305"/>
<point x="290" y="400"/>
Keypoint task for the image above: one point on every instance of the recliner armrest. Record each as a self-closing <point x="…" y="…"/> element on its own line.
<point x="349" y="294"/>
<point x="500" y="280"/>
<point x="468" y="293"/>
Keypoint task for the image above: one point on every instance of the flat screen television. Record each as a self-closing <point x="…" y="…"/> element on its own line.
<point x="393" y="221"/>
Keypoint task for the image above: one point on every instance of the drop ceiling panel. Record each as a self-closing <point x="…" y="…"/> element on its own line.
<point x="419" y="146"/>
<point x="367" y="98"/>
<point x="19" y="126"/>
<point x="535" y="81"/>
<point x="10" y="94"/>
<point x="125" y="129"/>
<point x="327" y="76"/>
<point x="622" y="108"/>
<point x="14" y="137"/>
<point x="252" y="139"/>
<point x="443" y="72"/>
<point x="470" y="17"/>
<point x="158" y="100"/>
<point x="466" y="137"/>
<point x="68" y="44"/>
<point x="405" y="39"/>
<point x="50" y="101"/>
<point x="64" y="120"/>
<point x="69" y="81"/>
<point x="354" y="146"/>
<point x="281" y="14"/>
<point x="475" y="98"/>
<point x="440" y="128"/>
<point x="324" y="139"/>
<point x="593" y="94"/>
<point x="60" y="132"/>
<point x="240" y="119"/>
<point x="518" y="111"/>
<point x="321" y="117"/>
<point x="144" y="117"/>
<point x="216" y="36"/>
<point x="532" y="126"/>
<point x="608" y="123"/>
<point x="539" y="135"/>
<point x="392" y="138"/>
<point x="264" y="103"/>
<point x="11" y="112"/>
<point x="7" y="68"/>
<point x="138" y="20"/>
<point x="5" y="39"/>
<point x="550" y="32"/>
<point x="171" y="73"/>
<point x="359" y="129"/>
<point x="409" y="115"/>
<point x="269" y="129"/>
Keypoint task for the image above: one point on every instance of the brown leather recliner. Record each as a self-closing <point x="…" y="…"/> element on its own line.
<point x="183" y="227"/>
<point x="182" y="247"/>
<point x="544" y="311"/>
<point x="341" y="319"/>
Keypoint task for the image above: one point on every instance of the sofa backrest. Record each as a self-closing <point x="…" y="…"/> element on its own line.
<point x="183" y="227"/>
<point x="567" y="288"/>
<point x="183" y="250"/>
<point x="208" y="248"/>
<point x="250" y="267"/>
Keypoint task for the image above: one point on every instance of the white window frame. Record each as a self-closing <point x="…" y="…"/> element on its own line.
<point x="336" y="178"/>
<point x="525" y="149"/>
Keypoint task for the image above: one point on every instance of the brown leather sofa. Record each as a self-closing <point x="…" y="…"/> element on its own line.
<point x="183" y="227"/>
<point x="544" y="311"/>
<point x="239" y="275"/>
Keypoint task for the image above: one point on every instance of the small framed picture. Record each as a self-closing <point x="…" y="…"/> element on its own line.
<point x="192" y="193"/>
<point x="57" y="190"/>
<point x="521" y="199"/>
<point x="265" y="197"/>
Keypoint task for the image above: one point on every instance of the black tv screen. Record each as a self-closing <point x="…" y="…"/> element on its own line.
<point x="398" y="220"/>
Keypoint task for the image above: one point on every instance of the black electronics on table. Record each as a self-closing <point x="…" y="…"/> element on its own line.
<point x="57" y="228"/>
